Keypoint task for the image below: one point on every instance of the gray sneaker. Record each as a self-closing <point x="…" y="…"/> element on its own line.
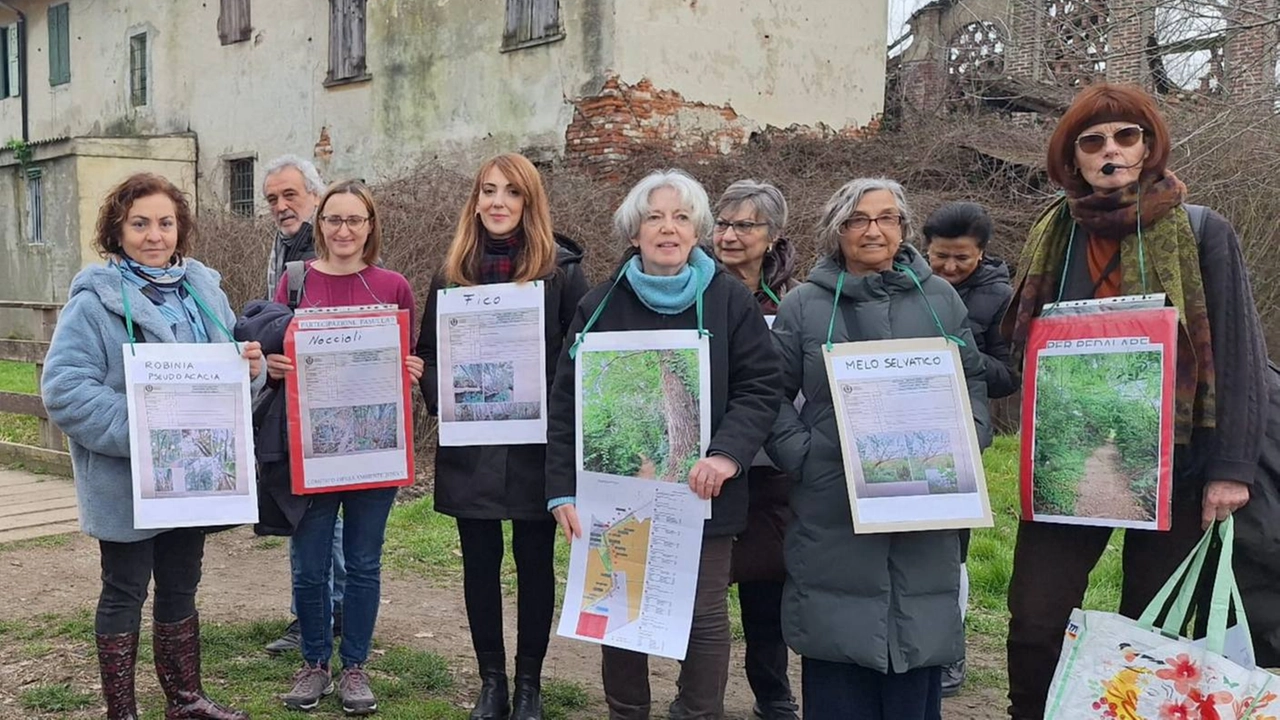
<point x="357" y="696"/>
<point x="310" y="684"/>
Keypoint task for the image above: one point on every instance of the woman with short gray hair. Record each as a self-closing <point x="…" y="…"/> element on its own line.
<point x="873" y="617"/>
<point x="748" y="241"/>
<point x="667" y="282"/>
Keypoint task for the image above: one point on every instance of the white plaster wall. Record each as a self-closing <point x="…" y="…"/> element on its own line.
<point x="776" y="62"/>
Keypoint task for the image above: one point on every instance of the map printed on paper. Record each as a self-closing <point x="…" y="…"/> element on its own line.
<point x="633" y="573"/>
<point x="617" y="556"/>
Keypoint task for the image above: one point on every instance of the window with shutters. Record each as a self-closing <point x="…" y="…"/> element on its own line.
<point x="241" y="174"/>
<point x="233" y="22"/>
<point x="59" y="44"/>
<point x="35" y="207"/>
<point x="346" y="41"/>
<point x="9" y="83"/>
<point x="138" y="84"/>
<point x="531" y="22"/>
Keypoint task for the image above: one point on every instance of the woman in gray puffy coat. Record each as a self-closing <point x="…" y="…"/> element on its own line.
<point x="873" y="617"/>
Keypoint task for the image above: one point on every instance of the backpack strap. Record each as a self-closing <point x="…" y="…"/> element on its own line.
<point x="295" y="271"/>
<point x="1198" y="215"/>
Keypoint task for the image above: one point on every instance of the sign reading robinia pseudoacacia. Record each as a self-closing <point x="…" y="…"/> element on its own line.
<point x="910" y="447"/>
<point x="1097" y="413"/>
<point x="190" y="438"/>
<point x="350" y="424"/>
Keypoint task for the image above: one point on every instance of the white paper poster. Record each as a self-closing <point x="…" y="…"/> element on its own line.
<point x="911" y="452"/>
<point x="350" y="429"/>
<point x="190" y="435"/>
<point x="633" y="574"/>
<point x="492" y="364"/>
<point x="644" y="418"/>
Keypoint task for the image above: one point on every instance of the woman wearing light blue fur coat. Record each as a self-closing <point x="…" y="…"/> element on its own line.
<point x="147" y="291"/>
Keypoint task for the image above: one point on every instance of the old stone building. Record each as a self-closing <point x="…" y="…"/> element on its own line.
<point x="1032" y="54"/>
<point x="370" y="88"/>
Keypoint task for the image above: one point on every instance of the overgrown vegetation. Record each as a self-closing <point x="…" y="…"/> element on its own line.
<point x="1084" y="402"/>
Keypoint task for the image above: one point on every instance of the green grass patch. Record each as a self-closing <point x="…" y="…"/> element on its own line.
<point x="562" y="698"/>
<point x="58" y="698"/>
<point x="18" y="378"/>
<point x="47" y="541"/>
<point x="409" y="683"/>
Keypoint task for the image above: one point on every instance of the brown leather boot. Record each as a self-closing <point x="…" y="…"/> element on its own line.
<point x="117" y="656"/>
<point x="177" y="651"/>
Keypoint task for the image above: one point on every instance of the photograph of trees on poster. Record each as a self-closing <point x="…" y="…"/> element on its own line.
<point x="189" y="461"/>
<point x="640" y="413"/>
<point x="1097" y="435"/>
<point x="486" y="391"/>
<point x="917" y="462"/>
<point x="354" y="428"/>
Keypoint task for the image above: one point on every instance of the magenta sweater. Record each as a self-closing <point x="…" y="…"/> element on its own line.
<point x="371" y="286"/>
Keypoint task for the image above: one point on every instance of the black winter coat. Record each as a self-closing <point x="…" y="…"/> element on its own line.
<point x="1257" y="554"/>
<point x="500" y="482"/>
<point x="745" y="385"/>
<point x="987" y="293"/>
<point x="279" y="510"/>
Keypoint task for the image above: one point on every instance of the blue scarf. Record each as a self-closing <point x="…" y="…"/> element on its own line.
<point x="672" y="294"/>
<point x="164" y="288"/>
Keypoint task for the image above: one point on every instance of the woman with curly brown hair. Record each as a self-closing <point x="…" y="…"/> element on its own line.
<point x="1122" y="229"/>
<point x="148" y="289"/>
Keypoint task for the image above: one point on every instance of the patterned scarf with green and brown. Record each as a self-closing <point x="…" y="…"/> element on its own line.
<point x="1173" y="268"/>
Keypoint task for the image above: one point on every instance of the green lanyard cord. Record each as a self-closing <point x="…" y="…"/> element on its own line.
<point x="128" y="316"/>
<point x="573" y="349"/>
<point x="936" y="320"/>
<point x="595" y="315"/>
<point x="697" y="277"/>
<point x="768" y="291"/>
<point x="1066" y="262"/>
<point x="835" y="305"/>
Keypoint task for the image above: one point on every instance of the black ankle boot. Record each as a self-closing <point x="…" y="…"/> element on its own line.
<point x="528" y="702"/>
<point x="494" y="702"/>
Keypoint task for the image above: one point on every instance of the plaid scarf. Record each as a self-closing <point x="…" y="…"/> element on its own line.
<point x="498" y="262"/>
<point x="1173" y="268"/>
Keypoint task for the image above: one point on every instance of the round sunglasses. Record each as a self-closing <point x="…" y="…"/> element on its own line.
<point x="1126" y="137"/>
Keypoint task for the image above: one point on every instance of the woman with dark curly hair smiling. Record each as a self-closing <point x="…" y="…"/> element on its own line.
<point x="1122" y="229"/>
<point x="148" y="289"/>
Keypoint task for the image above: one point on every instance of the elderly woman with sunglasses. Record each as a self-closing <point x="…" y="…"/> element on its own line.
<point x="874" y="617"/>
<point x="1122" y="214"/>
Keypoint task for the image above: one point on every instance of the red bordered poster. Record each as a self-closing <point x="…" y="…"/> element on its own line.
<point x="348" y="400"/>
<point x="1097" y="414"/>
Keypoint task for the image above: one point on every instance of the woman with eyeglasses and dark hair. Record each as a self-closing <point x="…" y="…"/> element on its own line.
<point x="1122" y="229"/>
<point x="955" y="240"/>
<point x="344" y="274"/>
<point x="748" y="241"/>
<point x="148" y="289"/>
<point x="874" y="617"/>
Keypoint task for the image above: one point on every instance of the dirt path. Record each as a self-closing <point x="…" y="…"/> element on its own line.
<point x="244" y="581"/>
<point x="1104" y="491"/>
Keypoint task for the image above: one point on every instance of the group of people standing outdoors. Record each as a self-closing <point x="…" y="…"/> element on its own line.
<point x="877" y="619"/>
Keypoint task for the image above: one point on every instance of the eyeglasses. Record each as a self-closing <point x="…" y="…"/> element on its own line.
<point x="335" y="222"/>
<point x="1093" y="143"/>
<point x="741" y="227"/>
<point x="862" y="222"/>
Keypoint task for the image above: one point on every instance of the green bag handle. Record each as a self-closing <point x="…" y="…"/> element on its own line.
<point x="1225" y="591"/>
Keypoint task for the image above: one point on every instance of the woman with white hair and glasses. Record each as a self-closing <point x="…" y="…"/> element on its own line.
<point x="667" y="282"/>
<point x="873" y="617"/>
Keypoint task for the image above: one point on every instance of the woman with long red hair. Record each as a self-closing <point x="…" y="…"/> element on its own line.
<point x="504" y="235"/>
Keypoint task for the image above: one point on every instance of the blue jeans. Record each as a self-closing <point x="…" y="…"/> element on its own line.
<point x="337" y="580"/>
<point x="364" y="515"/>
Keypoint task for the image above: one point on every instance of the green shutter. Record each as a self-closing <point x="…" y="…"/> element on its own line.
<point x="59" y="45"/>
